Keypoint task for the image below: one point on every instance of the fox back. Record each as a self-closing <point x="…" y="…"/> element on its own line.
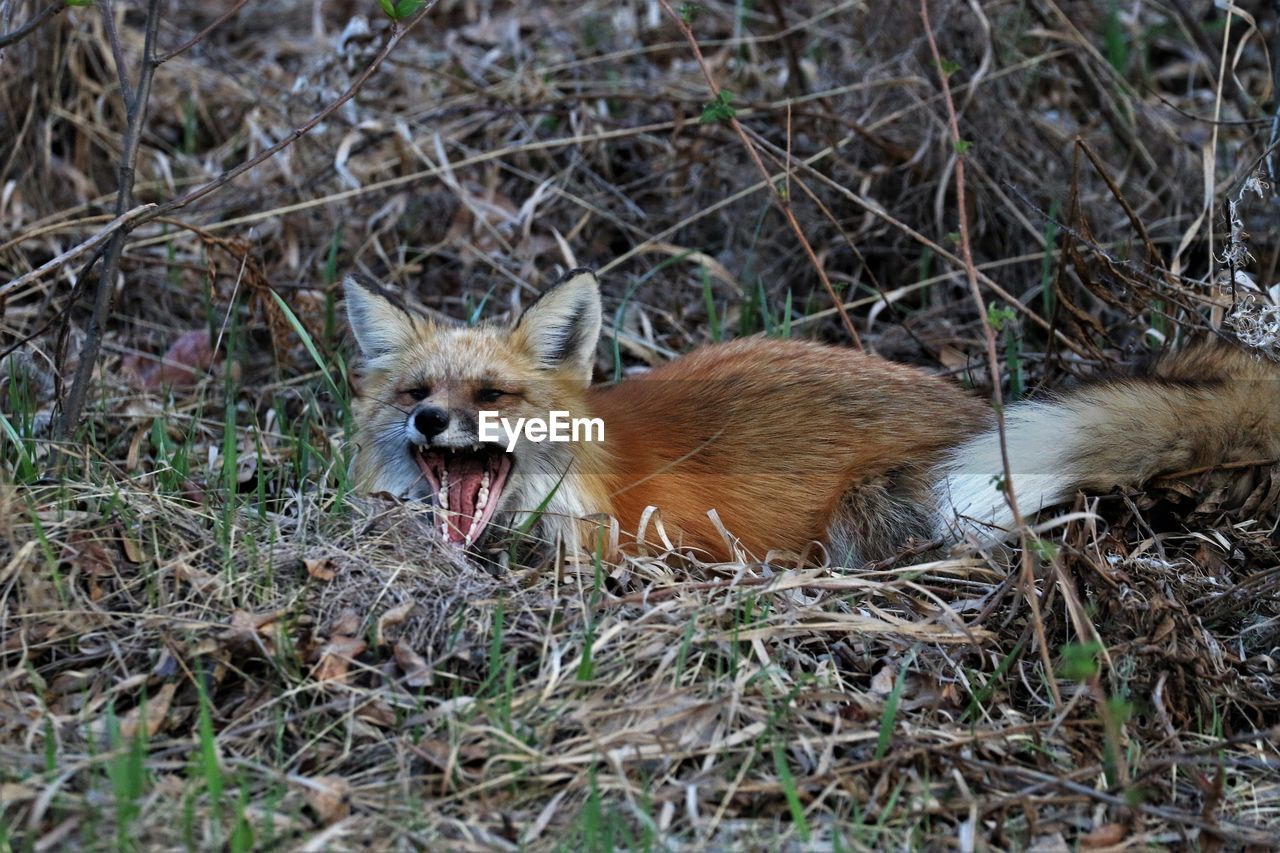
<point x="772" y="435"/>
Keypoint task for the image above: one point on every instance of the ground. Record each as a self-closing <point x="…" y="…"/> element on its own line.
<point x="207" y="640"/>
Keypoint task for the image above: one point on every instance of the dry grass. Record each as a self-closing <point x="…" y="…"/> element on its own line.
<point x="206" y="640"/>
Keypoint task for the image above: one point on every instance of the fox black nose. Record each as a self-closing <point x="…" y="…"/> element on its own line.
<point x="430" y="421"/>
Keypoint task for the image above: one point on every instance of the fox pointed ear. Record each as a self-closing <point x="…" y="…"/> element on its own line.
<point x="378" y="325"/>
<point x="561" y="327"/>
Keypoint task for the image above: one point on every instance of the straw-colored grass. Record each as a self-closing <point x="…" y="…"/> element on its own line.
<point x="207" y="640"/>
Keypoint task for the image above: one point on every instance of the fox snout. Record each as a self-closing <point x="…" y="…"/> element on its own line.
<point x="428" y="422"/>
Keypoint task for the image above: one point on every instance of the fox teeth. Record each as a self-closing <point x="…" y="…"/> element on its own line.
<point x="443" y="493"/>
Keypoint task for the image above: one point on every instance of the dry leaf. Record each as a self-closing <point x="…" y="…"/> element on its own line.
<point x="87" y="553"/>
<point x="132" y="549"/>
<point x="882" y="681"/>
<point x="378" y="713"/>
<point x="417" y="672"/>
<point x="157" y="708"/>
<point x="394" y="616"/>
<point x="320" y="569"/>
<point x="329" y="797"/>
<point x="1107" y="835"/>
<point x="347" y="622"/>
<point x="200" y="581"/>
<point x="336" y="657"/>
<point x="183" y="363"/>
<point x="251" y="629"/>
<point x="12" y="792"/>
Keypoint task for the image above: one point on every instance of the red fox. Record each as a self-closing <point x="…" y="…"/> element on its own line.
<point x="781" y="443"/>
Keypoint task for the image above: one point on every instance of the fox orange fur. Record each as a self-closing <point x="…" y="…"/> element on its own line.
<point x="778" y="443"/>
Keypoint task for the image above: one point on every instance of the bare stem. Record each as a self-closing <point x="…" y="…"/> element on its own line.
<point x="783" y="201"/>
<point x="993" y="358"/>
<point x="106" y="7"/>
<point x="198" y="37"/>
<point x="137" y="112"/>
<point x="32" y="25"/>
<point x="72" y="406"/>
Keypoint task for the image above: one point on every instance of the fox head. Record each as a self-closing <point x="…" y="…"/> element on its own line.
<point x="424" y="383"/>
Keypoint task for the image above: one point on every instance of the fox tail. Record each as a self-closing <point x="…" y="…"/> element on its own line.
<point x="1209" y="404"/>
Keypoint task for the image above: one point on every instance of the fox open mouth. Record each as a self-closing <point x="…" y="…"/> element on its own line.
<point x="468" y="483"/>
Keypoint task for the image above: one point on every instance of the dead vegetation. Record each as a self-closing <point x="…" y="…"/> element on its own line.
<point x="206" y="640"/>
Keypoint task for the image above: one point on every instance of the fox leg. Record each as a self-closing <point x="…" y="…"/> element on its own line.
<point x="879" y="517"/>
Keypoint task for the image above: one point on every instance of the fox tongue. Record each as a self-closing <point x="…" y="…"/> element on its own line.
<point x="468" y="485"/>
<point x="465" y="476"/>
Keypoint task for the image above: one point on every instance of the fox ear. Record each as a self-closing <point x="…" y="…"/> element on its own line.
<point x="561" y="327"/>
<point x="378" y="325"/>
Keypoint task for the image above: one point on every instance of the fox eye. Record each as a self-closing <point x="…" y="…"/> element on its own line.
<point x="489" y="395"/>
<point x="417" y="394"/>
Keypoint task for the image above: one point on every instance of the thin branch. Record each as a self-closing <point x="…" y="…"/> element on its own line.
<point x="74" y="402"/>
<point x="993" y="358"/>
<point x="784" y="202"/>
<point x="69" y="417"/>
<point x="191" y="42"/>
<point x="32" y="25"/>
<point x="398" y="32"/>
<point x="106" y="7"/>
<point x="77" y="250"/>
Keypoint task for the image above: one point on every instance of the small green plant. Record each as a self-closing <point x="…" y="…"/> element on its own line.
<point x="789" y="790"/>
<point x="979" y="698"/>
<point x="1002" y="318"/>
<point x="1080" y="661"/>
<point x="189" y="126"/>
<point x="398" y="10"/>
<point x="719" y="110"/>
<point x="126" y="770"/>
<point x="708" y="297"/>
<point x="690" y="11"/>
<point x="999" y="315"/>
<point x="525" y="526"/>
<point x="207" y="768"/>
<point x="307" y="342"/>
<point x="1044" y="549"/>
<point x="242" y="833"/>
<point x="891" y="703"/>
<point x="1115" y="39"/>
